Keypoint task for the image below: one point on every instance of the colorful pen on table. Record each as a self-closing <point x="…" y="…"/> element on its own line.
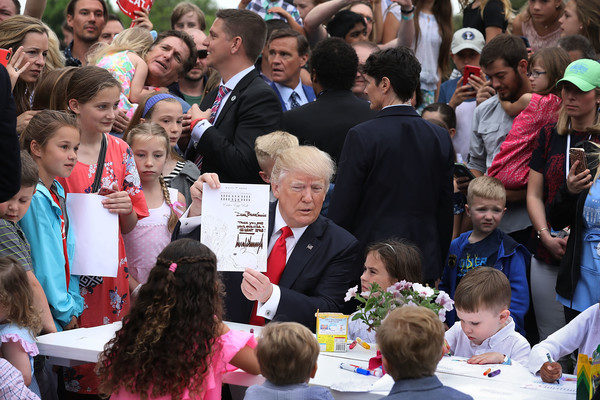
<point x="550" y="360"/>
<point x="493" y="373"/>
<point x="355" y="368"/>
<point x="487" y="371"/>
<point x="363" y="343"/>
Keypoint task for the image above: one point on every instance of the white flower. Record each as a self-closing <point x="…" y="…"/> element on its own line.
<point x="442" y="314"/>
<point x="423" y="291"/>
<point x="403" y="285"/>
<point x="366" y="293"/>
<point x="351" y="293"/>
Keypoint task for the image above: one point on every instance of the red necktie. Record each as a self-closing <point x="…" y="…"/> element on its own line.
<point x="275" y="267"/>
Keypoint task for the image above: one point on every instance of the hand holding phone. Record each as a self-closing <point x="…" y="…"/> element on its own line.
<point x="577" y="154"/>
<point x="5" y="56"/>
<point x="461" y="170"/>
<point x="468" y="71"/>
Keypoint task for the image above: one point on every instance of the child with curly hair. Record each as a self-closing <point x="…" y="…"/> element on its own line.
<point x="19" y="320"/>
<point x="173" y="343"/>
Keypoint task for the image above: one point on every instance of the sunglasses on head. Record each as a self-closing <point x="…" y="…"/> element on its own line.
<point x="202" y="54"/>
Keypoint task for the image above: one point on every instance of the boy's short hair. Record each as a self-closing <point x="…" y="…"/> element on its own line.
<point x="29" y="170"/>
<point x="268" y="146"/>
<point x="287" y="353"/>
<point x="483" y="288"/>
<point x="411" y="340"/>
<point x="486" y="187"/>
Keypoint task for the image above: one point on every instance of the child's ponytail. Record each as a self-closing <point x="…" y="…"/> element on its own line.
<point x="173" y="218"/>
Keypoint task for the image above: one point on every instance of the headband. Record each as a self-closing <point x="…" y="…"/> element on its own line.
<point x="155" y="99"/>
<point x="391" y="247"/>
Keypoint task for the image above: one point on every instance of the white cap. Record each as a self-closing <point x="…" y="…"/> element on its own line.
<point x="467" y="38"/>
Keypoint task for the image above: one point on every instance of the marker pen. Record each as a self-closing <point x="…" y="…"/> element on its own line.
<point x="494" y="373"/>
<point x="348" y="367"/>
<point x="363" y="343"/>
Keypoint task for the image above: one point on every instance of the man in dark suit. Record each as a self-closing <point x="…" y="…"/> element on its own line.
<point x="395" y="172"/>
<point x="311" y="260"/>
<point x="242" y="108"/>
<point x="288" y="53"/>
<point x="10" y="162"/>
<point x="325" y="122"/>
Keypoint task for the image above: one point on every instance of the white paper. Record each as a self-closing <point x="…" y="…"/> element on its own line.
<point x="96" y="233"/>
<point x="565" y="386"/>
<point x="235" y="225"/>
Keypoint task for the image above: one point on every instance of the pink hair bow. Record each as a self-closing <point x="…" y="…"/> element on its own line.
<point x="173" y="267"/>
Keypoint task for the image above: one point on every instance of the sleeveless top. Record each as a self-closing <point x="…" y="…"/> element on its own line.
<point x="538" y="42"/>
<point x="120" y="66"/>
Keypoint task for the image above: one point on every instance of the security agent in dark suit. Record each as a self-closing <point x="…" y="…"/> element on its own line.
<point x="242" y="108"/>
<point x="395" y="172"/>
<point x="325" y="122"/>
<point x="10" y="162"/>
<point x="318" y="258"/>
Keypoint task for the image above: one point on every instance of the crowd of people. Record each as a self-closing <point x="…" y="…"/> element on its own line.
<point x="396" y="149"/>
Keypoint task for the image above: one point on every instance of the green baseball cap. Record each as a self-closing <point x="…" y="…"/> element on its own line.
<point x="583" y="73"/>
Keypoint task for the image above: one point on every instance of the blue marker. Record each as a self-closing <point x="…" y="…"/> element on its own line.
<point x="358" y="370"/>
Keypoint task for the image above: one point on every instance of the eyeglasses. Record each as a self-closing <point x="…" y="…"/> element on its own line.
<point x="535" y="74"/>
<point x="202" y="54"/>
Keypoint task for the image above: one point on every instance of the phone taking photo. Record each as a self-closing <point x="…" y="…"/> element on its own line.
<point x="4" y="57"/>
<point x="468" y="71"/>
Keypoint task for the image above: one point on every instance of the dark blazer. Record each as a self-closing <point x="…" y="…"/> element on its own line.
<point x="325" y="122"/>
<point x="10" y="162"/>
<point x="395" y="180"/>
<point x="316" y="276"/>
<point x="427" y="388"/>
<point x="251" y="110"/>
<point x="308" y="92"/>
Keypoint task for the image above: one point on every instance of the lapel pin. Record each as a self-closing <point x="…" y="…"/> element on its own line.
<point x="310" y="246"/>
<point x="233" y="98"/>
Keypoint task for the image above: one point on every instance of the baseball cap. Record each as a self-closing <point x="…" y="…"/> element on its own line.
<point x="467" y="38"/>
<point x="583" y="73"/>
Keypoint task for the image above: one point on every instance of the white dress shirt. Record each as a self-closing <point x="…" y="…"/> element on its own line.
<point x="582" y="333"/>
<point x="286" y="92"/>
<point x="203" y="125"/>
<point x="506" y="341"/>
<point x="269" y="308"/>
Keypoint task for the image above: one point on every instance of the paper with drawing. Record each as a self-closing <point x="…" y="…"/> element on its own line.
<point x="235" y="225"/>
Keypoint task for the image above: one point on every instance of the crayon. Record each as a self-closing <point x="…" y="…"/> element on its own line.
<point x="362" y="343"/>
<point x="494" y="373"/>
<point x="487" y="371"/>
<point x="352" y="345"/>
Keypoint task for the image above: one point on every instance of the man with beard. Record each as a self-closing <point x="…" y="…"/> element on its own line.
<point x="504" y="61"/>
<point x="192" y="84"/>
<point x="87" y="18"/>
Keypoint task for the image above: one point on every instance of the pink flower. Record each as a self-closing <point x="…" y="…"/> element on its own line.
<point x="423" y="291"/>
<point x="445" y="301"/>
<point x="442" y="314"/>
<point x="351" y="293"/>
<point x="403" y="285"/>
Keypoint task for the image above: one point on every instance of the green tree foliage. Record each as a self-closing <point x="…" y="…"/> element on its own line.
<point x="160" y="15"/>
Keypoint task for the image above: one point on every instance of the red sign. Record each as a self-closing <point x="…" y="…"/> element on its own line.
<point x="129" y="6"/>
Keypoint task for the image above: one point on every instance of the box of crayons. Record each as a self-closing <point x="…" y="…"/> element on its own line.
<point x="332" y="331"/>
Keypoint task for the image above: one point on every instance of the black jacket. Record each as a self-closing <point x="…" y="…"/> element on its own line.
<point x="10" y="161"/>
<point x="565" y="210"/>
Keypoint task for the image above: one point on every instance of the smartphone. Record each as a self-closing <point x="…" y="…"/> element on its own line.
<point x="4" y="57"/>
<point x="470" y="70"/>
<point x="461" y="170"/>
<point x="577" y="154"/>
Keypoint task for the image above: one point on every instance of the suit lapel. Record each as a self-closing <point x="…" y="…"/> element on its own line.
<point x="234" y="94"/>
<point x="307" y="246"/>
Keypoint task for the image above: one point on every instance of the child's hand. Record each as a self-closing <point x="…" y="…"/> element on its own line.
<point x="487" y="358"/>
<point x="121" y="122"/>
<point x="280" y="11"/>
<point x="118" y="202"/>
<point x="72" y="324"/>
<point x="550" y="372"/>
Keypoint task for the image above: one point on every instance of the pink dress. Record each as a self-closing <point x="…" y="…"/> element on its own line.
<point x="120" y="66"/>
<point x="231" y="343"/>
<point x="536" y="41"/>
<point x="511" y="164"/>
<point x="149" y="237"/>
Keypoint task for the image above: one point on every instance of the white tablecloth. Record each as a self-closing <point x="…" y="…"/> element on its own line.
<point x="85" y="344"/>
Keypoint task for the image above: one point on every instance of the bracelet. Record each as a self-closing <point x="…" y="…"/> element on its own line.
<point x="194" y="122"/>
<point x="407" y="12"/>
<point x="539" y="233"/>
<point x="407" y="17"/>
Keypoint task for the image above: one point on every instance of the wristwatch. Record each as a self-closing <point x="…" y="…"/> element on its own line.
<point x="539" y="233"/>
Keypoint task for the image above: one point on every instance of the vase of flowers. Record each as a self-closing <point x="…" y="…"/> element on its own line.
<point x="378" y="302"/>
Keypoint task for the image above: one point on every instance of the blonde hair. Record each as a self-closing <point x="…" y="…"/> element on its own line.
<point x="563" y="125"/>
<point x="147" y="131"/>
<point x="136" y="40"/>
<point x="411" y="340"/>
<point x="306" y="159"/>
<point x="483" y="288"/>
<point x="268" y="146"/>
<point x="486" y="187"/>
<point x="287" y="353"/>
<point x="12" y="34"/>
<point x="508" y="10"/>
<point x="55" y="58"/>
<point x="16" y="296"/>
